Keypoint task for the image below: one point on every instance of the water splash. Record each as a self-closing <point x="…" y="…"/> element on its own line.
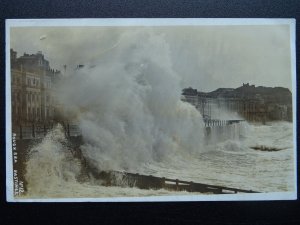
<point x="50" y="164"/>
<point x="129" y="107"/>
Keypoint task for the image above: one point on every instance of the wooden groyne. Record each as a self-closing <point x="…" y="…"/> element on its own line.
<point x="116" y="178"/>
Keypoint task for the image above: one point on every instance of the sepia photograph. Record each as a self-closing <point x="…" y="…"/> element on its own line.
<point x="150" y="109"/>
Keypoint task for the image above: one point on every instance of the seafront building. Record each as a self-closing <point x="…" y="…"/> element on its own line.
<point x="32" y="82"/>
<point x="255" y="104"/>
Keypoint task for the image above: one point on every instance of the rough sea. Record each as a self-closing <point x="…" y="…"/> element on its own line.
<point x="51" y="171"/>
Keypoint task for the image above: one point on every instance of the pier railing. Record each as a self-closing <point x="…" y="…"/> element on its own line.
<point x="36" y="131"/>
<point x="216" y="122"/>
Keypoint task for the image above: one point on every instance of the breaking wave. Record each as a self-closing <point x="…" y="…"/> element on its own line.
<point x="129" y="107"/>
<point x="51" y="164"/>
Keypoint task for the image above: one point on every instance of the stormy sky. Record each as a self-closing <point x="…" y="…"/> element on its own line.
<point x="205" y="57"/>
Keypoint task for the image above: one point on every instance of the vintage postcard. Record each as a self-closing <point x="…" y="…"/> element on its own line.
<point x="150" y="109"/>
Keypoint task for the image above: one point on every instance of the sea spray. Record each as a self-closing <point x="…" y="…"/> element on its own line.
<point x="128" y="106"/>
<point x="50" y="164"/>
